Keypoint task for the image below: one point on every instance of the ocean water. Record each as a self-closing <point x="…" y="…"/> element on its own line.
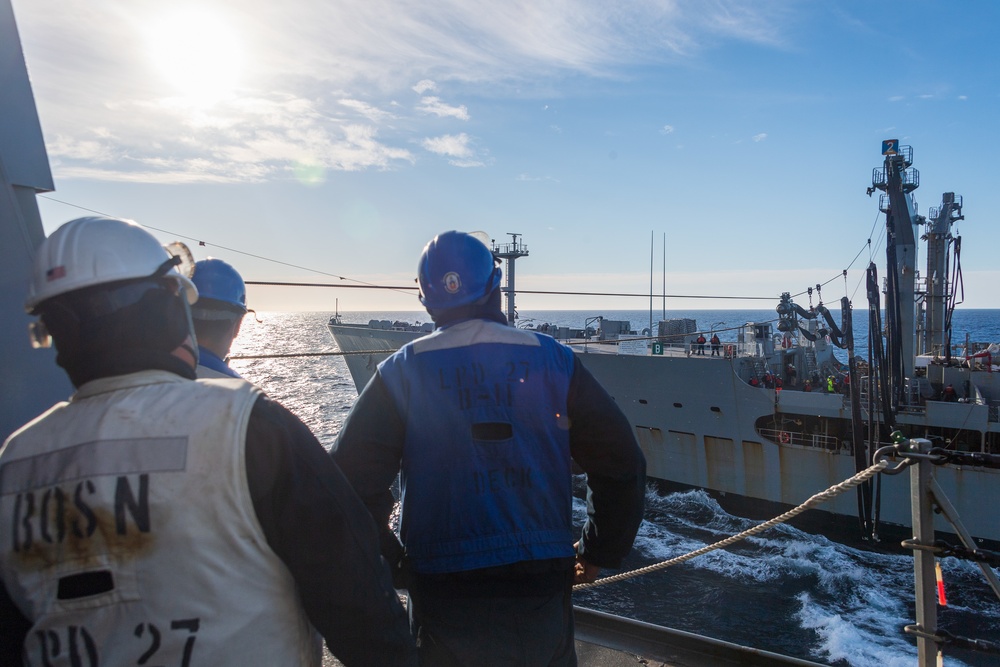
<point x="784" y="591"/>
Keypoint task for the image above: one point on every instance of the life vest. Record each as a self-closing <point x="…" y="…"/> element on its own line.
<point x="486" y="468"/>
<point x="130" y="535"/>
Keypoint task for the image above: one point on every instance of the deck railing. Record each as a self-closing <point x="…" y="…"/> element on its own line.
<point x="820" y="441"/>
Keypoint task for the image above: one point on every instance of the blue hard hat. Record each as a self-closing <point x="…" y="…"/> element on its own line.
<point x="218" y="281"/>
<point x="456" y="269"/>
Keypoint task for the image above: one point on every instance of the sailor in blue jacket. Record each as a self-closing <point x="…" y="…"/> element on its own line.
<point x="483" y="423"/>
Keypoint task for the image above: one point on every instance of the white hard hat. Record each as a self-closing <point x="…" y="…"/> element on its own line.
<point x="96" y="250"/>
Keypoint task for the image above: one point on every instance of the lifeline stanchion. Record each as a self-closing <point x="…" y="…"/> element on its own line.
<point x="925" y="584"/>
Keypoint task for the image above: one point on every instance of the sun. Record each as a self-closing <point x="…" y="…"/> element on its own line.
<point x="197" y="53"/>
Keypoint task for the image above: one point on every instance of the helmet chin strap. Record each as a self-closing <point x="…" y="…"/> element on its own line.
<point x="187" y="352"/>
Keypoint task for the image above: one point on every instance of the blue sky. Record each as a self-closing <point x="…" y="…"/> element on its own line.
<point x="342" y="136"/>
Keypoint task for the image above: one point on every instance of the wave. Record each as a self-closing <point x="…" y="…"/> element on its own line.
<point x="813" y="597"/>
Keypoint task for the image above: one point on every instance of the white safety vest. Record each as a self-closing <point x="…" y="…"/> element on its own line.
<point x="129" y="536"/>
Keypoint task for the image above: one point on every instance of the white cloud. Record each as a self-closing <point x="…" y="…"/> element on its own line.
<point x="360" y="149"/>
<point x="760" y="137"/>
<point x="667" y="129"/>
<point x="963" y="97"/>
<point x="456" y="147"/>
<point x="368" y="111"/>
<point x="254" y="139"/>
<point x="97" y="149"/>
<point x="316" y="67"/>
<point x="434" y="106"/>
<point x="896" y="98"/>
<point x="424" y="85"/>
<point x="452" y="145"/>
<point x="394" y="42"/>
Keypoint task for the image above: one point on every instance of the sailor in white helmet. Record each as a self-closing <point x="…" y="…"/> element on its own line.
<point x="152" y="519"/>
<point x="222" y="304"/>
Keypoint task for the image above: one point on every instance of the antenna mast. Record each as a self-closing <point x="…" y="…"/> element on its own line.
<point x="510" y="252"/>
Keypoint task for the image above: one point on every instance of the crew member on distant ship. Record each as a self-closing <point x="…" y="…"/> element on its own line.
<point x="754" y="382"/>
<point x="831" y="387"/>
<point x="791" y="374"/>
<point x="716" y="344"/>
<point x="701" y="344"/>
<point x="949" y="394"/>
<point x="217" y="316"/>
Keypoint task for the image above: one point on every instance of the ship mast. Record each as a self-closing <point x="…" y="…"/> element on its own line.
<point x="935" y="335"/>
<point x="897" y="180"/>
<point x="510" y="252"/>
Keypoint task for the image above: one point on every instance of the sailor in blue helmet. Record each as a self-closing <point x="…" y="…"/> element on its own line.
<point x="483" y="422"/>
<point x="217" y="316"/>
<point x="153" y="518"/>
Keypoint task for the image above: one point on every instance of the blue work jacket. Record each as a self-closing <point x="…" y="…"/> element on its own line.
<point x="486" y="466"/>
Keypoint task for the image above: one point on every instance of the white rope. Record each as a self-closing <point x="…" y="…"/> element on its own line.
<point x="821" y="497"/>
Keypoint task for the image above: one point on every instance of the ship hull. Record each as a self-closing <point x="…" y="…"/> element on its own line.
<point x="700" y="426"/>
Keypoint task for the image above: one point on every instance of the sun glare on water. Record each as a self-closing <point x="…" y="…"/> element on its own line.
<point x="198" y="54"/>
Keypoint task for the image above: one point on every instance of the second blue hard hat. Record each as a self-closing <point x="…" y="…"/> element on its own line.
<point x="456" y="269"/>
<point x="217" y="280"/>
